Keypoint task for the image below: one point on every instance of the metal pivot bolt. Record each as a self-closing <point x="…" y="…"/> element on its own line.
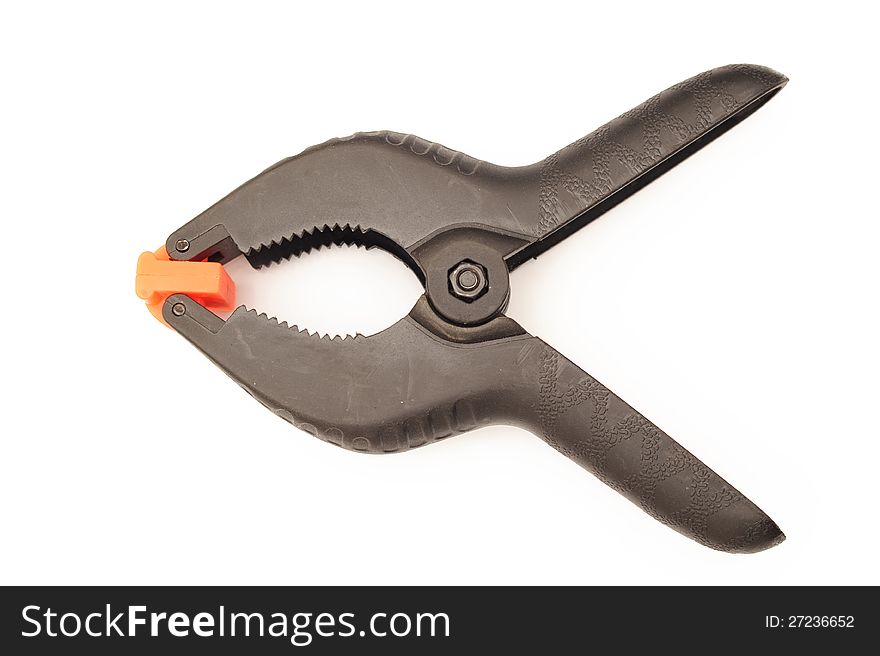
<point x="468" y="280"/>
<point x="182" y="246"/>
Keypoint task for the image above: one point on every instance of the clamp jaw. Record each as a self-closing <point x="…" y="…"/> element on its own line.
<point x="457" y="362"/>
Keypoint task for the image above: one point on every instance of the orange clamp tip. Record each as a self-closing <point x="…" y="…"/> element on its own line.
<point x="206" y="282"/>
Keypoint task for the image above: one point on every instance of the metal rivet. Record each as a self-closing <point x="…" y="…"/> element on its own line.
<point x="182" y="246"/>
<point x="178" y="309"/>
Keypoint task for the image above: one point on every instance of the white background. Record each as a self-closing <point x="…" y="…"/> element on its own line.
<point x="733" y="301"/>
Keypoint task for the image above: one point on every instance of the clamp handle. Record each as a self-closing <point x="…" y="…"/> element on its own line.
<point x="398" y="191"/>
<point x="583" y="420"/>
<point x="590" y="176"/>
<point x="423" y="380"/>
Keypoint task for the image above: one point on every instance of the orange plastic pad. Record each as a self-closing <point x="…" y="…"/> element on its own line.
<point x="206" y="282"/>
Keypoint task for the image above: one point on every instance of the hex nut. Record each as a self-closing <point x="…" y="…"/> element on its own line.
<point x="468" y="281"/>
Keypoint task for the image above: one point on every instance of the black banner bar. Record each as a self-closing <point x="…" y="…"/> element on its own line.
<point x="436" y="620"/>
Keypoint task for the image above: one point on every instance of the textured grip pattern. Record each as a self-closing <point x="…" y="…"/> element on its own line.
<point x="586" y="422"/>
<point x="600" y="164"/>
